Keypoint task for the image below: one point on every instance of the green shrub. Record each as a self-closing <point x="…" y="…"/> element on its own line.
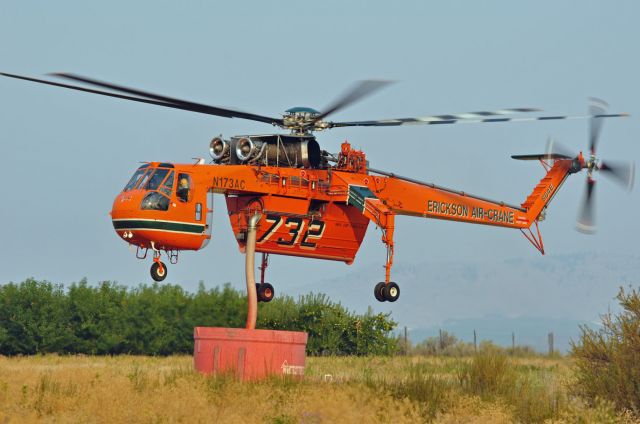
<point x="445" y="344"/>
<point x="531" y="393"/>
<point x="333" y="329"/>
<point x="41" y="317"/>
<point x="431" y="392"/>
<point x="607" y="360"/>
<point x="488" y="374"/>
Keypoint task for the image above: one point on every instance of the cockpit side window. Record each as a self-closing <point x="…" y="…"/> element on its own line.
<point x="167" y="187"/>
<point x="155" y="201"/>
<point x="184" y="187"/>
<point x="134" y="180"/>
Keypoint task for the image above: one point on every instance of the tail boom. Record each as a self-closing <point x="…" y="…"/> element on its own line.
<point x="414" y="198"/>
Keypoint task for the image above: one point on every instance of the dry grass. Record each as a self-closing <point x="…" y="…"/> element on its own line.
<point x="347" y="389"/>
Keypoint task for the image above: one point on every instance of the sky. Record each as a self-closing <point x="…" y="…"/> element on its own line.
<point x="65" y="155"/>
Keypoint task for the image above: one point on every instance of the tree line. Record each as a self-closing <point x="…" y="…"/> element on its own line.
<point x="108" y="319"/>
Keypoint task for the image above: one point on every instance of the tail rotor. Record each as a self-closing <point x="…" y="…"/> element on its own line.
<point x="622" y="173"/>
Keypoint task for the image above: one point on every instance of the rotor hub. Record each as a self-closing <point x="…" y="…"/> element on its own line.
<point x="301" y="119"/>
<point x="591" y="165"/>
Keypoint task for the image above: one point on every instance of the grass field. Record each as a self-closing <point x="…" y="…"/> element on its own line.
<point x="490" y="387"/>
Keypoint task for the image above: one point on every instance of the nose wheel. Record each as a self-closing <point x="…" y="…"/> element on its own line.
<point x="386" y="292"/>
<point x="158" y="270"/>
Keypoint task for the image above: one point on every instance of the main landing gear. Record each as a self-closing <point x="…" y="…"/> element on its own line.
<point x="265" y="291"/>
<point x="386" y="292"/>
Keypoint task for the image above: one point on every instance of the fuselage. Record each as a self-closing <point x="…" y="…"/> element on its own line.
<point x="320" y="213"/>
<point x="300" y="215"/>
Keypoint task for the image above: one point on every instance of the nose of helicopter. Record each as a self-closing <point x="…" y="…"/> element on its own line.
<point x="122" y="210"/>
<point x="149" y="228"/>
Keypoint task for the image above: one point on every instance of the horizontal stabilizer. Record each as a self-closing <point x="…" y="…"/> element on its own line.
<point x="541" y="156"/>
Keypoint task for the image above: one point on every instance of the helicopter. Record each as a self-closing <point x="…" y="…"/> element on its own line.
<point x="307" y="202"/>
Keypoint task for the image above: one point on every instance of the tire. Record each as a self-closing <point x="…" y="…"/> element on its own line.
<point x="377" y="292"/>
<point x="156" y="274"/>
<point x="391" y="292"/>
<point x="266" y="293"/>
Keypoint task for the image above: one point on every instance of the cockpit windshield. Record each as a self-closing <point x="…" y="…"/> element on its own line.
<point x="156" y="179"/>
<point x="143" y="181"/>
<point x="168" y="185"/>
<point x="136" y="178"/>
<point x="150" y="179"/>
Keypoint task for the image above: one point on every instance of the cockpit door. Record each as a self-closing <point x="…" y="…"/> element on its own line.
<point x="209" y="220"/>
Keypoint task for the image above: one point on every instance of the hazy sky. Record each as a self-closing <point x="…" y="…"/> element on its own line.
<point x="65" y="155"/>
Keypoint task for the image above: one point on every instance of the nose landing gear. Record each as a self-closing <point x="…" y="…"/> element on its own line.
<point x="158" y="270"/>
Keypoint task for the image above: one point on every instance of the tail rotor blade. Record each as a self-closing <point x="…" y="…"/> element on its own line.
<point x="554" y="147"/>
<point x="586" y="219"/>
<point x="622" y="173"/>
<point x="597" y="108"/>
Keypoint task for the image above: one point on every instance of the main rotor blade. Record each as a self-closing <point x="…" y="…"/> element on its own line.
<point x="461" y="119"/>
<point x="596" y="107"/>
<point x="215" y="110"/>
<point x="157" y="100"/>
<point x="358" y="91"/>
<point x="586" y="218"/>
<point x="622" y="173"/>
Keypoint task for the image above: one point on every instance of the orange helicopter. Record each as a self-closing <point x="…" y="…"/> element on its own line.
<point x="305" y="201"/>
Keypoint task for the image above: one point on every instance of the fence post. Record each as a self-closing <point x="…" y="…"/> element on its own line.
<point x="406" y="345"/>
<point x="513" y="342"/>
<point x="550" y="336"/>
<point x="475" y="341"/>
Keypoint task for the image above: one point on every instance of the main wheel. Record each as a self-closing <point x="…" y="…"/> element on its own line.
<point x="158" y="271"/>
<point x="265" y="292"/>
<point x="391" y="292"/>
<point x="377" y="292"/>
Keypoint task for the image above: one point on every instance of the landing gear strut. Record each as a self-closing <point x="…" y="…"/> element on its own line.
<point x="380" y="213"/>
<point x="387" y="291"/>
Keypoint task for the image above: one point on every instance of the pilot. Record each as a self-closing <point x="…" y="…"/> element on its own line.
<point x="183" y="190"/>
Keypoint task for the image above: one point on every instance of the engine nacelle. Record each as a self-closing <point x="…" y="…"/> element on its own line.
<point x="275" y="150"/>
<point x="247" y="149"/>
<point x="219" y="150"/>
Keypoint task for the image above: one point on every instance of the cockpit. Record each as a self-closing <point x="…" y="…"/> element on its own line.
<point x="159" y="182"/>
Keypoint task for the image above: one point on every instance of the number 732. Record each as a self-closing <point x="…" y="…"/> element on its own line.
<point x="306" y="232"/>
